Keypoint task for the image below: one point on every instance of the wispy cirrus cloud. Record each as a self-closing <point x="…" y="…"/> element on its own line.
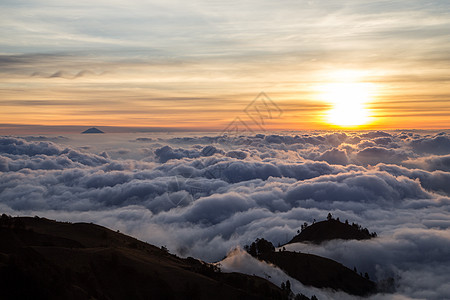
<point x="211" y="50"/>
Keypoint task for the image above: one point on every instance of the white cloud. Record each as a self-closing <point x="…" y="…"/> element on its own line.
<point x="200" y="196"/>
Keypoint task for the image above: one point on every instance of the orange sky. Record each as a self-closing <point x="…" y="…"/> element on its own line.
<point x="199" y="67"/>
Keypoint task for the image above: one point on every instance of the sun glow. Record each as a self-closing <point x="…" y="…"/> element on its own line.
<point x="349" y="101"/>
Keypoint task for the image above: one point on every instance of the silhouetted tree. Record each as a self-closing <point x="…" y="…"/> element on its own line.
<point x="366" y="275"/>
<point x="251" y="249"/>
<point x="5" y="220"/>
<point x="303" y="226"/>
<point x="259" y="247"/>
<point x="329" y="217"/>
<point x="313" y="297"/>
<point x="286" y="288"/>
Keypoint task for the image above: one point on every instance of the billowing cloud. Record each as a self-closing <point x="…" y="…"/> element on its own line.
<point x="431" y="163"/>
<point x="202" y="196"/>
<point x="334" y="156"/>
<point x="439" y="144"/>
<point x="400" y="255"/>
<point x="374" y="155"/>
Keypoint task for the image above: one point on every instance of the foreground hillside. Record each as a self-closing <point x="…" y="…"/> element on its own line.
<point x="44" y="259"/>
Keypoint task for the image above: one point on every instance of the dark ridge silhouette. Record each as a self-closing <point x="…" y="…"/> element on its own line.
<point x="45" y="259"/>
<point x="320" y="272"/>
<point x="93" y="130"/>
<point x="331" y="229"/>
<point x="313" y="270"/>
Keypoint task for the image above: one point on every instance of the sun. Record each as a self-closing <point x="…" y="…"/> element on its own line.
<point x="349" y="103"/>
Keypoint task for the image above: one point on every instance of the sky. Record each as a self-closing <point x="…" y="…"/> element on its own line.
<point x="206" y="195"/>
<point x="242" y="119"/>
<point x="197" y="65"/>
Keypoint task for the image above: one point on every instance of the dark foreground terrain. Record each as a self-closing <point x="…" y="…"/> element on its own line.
<point x="45" y="259"/>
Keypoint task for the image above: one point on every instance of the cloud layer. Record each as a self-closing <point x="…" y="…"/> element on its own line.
<point x="202" y="196"/>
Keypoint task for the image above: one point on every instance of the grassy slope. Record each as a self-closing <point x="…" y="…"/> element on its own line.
<point x="44" y="259"/>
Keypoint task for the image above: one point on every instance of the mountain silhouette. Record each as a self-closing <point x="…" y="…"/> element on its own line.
<point x="329" y="230"/>
<point x="320" y="272"/>
<point x="45" y="259"/>
<point x="313" y="270"/>
<point x="93" y="130"/>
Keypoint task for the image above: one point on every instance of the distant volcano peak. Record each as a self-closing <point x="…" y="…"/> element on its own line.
<point x="93" y="130"/>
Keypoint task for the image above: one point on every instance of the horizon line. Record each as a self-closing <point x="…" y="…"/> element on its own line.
<point x="11" y="129"/>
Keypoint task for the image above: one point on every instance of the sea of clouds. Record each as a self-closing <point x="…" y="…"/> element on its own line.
<point x="202" y="196"/>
